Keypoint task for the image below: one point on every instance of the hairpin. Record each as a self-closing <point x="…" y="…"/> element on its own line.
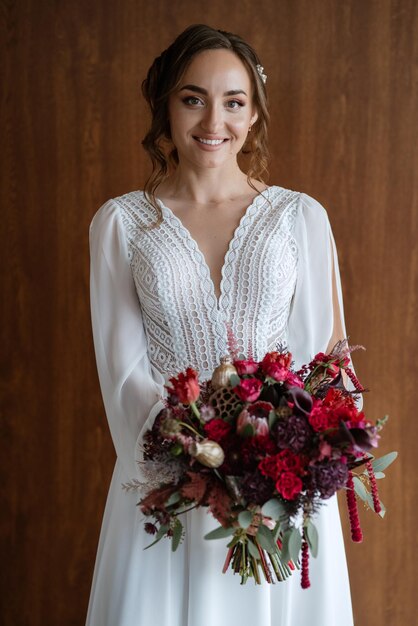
<point x="260" y="70"/>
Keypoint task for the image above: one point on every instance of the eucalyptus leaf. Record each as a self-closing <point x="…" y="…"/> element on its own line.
<point x="379" y="475"/>
<point x="245" y="518"/>
<point x="272" y="419"/>
<point x="234" y="380"/>
<point x="295" y="544"/>
<point x="360" y="489"/>
<point x="312" y="537"/>
<point x="384" y="461"/>
<point x="266" y="540"/>
<point x="220" y="533"/>
<point x="285" y="555"/>
<point x="382" y="513"/>
<point x="160" y="534"/>
<point x="177" y="533"/>
<point x="273" y="508"/>
<point x="252" y="549"/>
<point x="173" y="499"/>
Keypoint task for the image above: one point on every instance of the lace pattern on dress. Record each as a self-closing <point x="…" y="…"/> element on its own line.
<point x="184" y="321"/>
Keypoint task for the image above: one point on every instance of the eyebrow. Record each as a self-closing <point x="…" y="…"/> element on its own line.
<point x="195" y="88"/>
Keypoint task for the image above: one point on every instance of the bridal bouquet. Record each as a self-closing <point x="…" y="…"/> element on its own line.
<point x="261" y="446"/>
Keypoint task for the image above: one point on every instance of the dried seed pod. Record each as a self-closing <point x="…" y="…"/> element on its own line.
<point x="222" y="374"/>
<point x="207" y="452"/>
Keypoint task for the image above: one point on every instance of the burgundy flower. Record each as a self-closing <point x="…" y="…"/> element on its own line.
<point x="185" y="386"/>
<point x="256" y="488"/>
<point x="249" y="389"/>
<point x="217" y="430"/>
<point x="294" y="433"/>
<point x="328" y="476"/>
<point x="289" y="485"/>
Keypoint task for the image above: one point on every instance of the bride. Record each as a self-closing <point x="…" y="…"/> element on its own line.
<point x="205" y="249"/>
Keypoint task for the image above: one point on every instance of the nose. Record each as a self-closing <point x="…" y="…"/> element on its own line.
<point x="212" y="120"/>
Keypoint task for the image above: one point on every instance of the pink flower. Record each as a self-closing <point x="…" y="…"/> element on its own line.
<point x="289" y="485"/>
<point x="185" y="386"/>
<point x="261" y="427"/>
<point x="249" y="389"/>
<point x="249" y="366"/>
<point x="258" y="425"/>
<point x="276" y="365"/>
<point x="294" y="380"/>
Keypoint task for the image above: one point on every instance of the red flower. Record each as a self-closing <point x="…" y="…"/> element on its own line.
<point x="276" y="365"/>
<point x="249" y="366"/>
<point x="289" y="485"/>
<point x="283" y="462"/>
<point x="268" y="467"/>
<point x="185" y="386"/>
<point x="287" y="461"/>
<point x="249" y="389"/>
<point x="217" y="430"/>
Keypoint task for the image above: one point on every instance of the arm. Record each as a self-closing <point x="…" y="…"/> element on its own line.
<point x="316" y="319"/>
<point x="128" y="384"/>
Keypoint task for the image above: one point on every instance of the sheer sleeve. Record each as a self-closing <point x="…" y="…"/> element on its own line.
<point x="130" y="388"/>
<point x="316" y="318"/>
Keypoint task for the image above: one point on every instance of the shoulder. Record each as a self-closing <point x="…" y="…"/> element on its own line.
<point x="115" y="209"/>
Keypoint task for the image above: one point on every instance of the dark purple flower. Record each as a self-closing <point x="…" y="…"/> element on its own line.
<point x="360" y="439"/>
<point x="293" y="432"/>
<point x="256" y="488"/>
<point x="301" y="400"/>
<point x="328" y="476"/>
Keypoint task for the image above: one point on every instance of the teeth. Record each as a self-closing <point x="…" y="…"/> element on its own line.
<point x="210" y="142"/>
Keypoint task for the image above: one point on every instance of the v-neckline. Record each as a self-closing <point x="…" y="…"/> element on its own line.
<point x="203" y="265"/>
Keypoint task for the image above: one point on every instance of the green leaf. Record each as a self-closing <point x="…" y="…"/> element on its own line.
<point x="295" y="544"/>
<point x="160" y="534"/>
<point x="273" y="508"/>
<point x="381" y="464"/>
<point x="382" y="513"/>
<point x="177" y="449"/>
<point x="173" y="499"/>
<point x="360" y="489"/>
<point x="252" y="549"/>
<point x="266" y="540"/>
<point x="285" y="545"/>
<point x="220" y="533"/>
<point x="312" y="537"/>
<point x="177" y="533"/>
<point x="234" y="380"/>
<point x="245" y="518"/>
<point x="247" y="431"/>
<point x="272" y="419"/>
<point x="379" y="475"/>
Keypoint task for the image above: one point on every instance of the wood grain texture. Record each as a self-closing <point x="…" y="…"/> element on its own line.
<point x="342" y="82"/>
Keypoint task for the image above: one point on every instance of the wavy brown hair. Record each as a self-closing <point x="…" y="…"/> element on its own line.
<point x="164" y="77"/>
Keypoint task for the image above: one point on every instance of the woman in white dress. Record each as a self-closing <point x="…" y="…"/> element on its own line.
<point x="205" y="248"/>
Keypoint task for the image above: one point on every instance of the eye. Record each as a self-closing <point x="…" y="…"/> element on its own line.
<point x="192" y="100"/>
<point x="235" y="104"/>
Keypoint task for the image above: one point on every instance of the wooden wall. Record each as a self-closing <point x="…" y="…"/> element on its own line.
<point x="342" y="81"/>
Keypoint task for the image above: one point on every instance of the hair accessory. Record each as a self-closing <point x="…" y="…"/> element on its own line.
<point x="260" y="70"/>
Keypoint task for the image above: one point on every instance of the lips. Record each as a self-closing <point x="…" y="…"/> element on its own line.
<point x="210" y="142"/>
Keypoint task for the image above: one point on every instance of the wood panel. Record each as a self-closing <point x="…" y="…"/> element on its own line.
<point x="342" y="80"/>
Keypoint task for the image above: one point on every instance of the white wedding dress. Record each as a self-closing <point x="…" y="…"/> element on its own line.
<point x="154" y="312"/>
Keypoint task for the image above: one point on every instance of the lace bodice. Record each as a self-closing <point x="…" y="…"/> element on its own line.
<point x="185" y="323"/>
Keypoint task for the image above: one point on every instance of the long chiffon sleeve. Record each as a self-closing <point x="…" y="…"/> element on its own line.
<point x="318" y="295"/>
<point x="130" y="388"/>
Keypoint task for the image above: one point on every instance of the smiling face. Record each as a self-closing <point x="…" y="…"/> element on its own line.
<point x="212" y="109"/>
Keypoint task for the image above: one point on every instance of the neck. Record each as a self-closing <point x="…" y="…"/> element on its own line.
<point x="206" y="185"/>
